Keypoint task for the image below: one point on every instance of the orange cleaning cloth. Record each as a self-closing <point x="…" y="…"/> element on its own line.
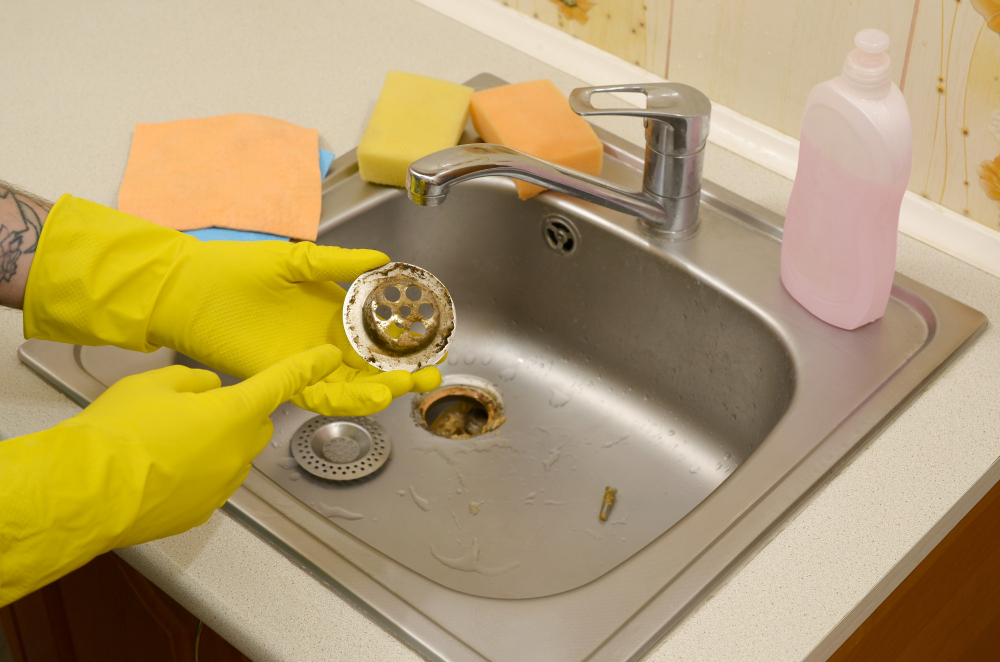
<point x="239" y="171"/>
<point x="535" y="118"/>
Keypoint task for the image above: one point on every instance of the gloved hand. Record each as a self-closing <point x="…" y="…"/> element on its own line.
<point x="101" y="277"/>
<point x="152" y="457"/>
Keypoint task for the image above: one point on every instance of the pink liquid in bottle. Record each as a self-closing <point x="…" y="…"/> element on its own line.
<point x="838" y="254"/>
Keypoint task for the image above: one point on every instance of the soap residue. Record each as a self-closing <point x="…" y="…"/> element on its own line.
<point x="615" y="442"/>
<point x="337" y="511"/>
<point x="469" y="562"/>
<point x="421" y="502"/>
<point x="558" y="398"/>
<point x="553" y="457"/>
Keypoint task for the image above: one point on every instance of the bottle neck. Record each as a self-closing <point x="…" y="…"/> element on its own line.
<point x="867" y="74"/>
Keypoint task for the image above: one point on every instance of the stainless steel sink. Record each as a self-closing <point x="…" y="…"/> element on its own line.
<point x="680" y="373"/>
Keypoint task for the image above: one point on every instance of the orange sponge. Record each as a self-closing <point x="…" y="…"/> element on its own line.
<point x="535" y="117"/>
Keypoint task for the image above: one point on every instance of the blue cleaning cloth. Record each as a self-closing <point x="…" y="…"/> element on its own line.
<point x="225" y="234"/>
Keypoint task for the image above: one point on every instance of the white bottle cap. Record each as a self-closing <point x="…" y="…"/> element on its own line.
<point x="867" y="68"/>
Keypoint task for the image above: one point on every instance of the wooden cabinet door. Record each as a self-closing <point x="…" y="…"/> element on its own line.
<point x="107" y="611"/>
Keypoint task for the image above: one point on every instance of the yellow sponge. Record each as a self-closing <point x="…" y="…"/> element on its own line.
<point x="413" y="117"/>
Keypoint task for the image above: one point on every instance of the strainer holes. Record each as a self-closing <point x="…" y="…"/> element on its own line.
<point x="426" y="310"/>
<point x="383" y="312"/>
<point x="391" y="293"/>
<point x="413" y="293"/>
<point x="405" y="311"/>
<point x="418" y="328"/>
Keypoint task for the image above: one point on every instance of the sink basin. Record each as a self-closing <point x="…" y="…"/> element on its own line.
<point x="680" y="373"/>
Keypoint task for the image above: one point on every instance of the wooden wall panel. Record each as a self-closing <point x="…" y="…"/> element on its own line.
<point x="617" y="26"/>
<point x="761" y="58"/>
<point x="952" y="87"/>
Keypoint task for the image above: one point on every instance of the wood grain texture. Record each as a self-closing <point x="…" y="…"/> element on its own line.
<point x="953" y="91"/>
<point x="948" y="608"/>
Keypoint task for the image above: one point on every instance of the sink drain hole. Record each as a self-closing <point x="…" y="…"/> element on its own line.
<point x="464" y="406"/>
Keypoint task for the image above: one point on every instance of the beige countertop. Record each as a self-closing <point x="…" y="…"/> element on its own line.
<point x="77" y="78"/>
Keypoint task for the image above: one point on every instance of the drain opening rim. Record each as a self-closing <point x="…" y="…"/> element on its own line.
<point x="473" y="387"/>
<point x="374" y="452"/>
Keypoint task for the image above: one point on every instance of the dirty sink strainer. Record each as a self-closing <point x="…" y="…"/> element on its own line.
<point x="399" y="317"/>
<point x="341" y="448"/>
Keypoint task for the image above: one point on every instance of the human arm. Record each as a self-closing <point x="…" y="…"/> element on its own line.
<point x="101" y="277"/>
<point x="21" y="218"/>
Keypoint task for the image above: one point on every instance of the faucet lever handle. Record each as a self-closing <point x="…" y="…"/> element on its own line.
<point x="676" y="116"/>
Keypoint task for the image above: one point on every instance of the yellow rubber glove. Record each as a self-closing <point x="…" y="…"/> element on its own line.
<point x="155" y="455"/>
<point x="101" y="277"/>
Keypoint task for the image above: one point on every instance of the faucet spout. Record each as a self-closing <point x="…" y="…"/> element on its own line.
<point x="429" y="179"/>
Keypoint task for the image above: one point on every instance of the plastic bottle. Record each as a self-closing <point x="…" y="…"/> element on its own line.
<point x="838" y="255"/>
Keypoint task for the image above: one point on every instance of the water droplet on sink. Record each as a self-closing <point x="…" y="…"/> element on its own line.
<point x="295" y="476"/>
<point x="718" y="466"/>
<point x="727" y="456"/>
<point x="671" y="432"/>
<point x="694" y="468"/>
<point x="558" y="398"/>
<point x="288" y="464"/>
<point x="452" y="359"/>
<point x="487" y="359"/>
<point x="470" y="358"/>
<point x="507" y="374"/>
<point x="401" y="493"/>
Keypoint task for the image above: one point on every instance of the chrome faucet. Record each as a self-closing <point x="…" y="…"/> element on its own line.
<point x="676" y="118"/>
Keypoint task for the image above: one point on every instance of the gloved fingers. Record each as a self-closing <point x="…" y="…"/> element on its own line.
<point x="270" y="387"/>
<point x="344" y="399"/>
<point x="182" y="379"/>
<point x="426" y="379"/>
<point x="399" y="382"/>
<point x="311" y="262"/>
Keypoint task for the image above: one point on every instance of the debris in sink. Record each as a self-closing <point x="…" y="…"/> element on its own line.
<point x="337" y="511"/>
<point x="469" y="562"/>
<point x="609" y="500"/>
<point x="474" y="506"/>
<point x="460" y="420"/>
<point x="421" y="502"/>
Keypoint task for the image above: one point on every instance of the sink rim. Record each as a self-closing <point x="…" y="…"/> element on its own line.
<point x="278" y="519"/>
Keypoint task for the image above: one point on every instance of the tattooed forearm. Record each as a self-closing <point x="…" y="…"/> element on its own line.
<point x="21" y="218"/>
